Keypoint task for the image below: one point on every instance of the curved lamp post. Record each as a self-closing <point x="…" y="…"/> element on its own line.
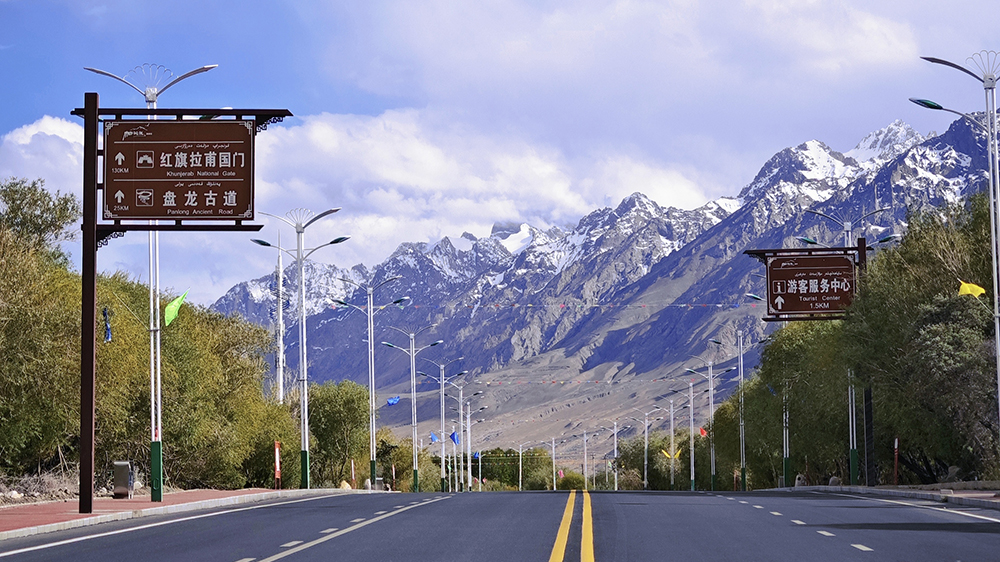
<point x="300" y="219"/>
<point x="369" y="313"/>
<point x="645" y="432"/>
<point x="151" y="93"/>
<point x="711" y="405"/>
<point x="989" y="65"/>
<point x="520" y="464"/>
<point x="441" y="380"/>
<point x="412" y="352"/>
<point x="673" y="448"/>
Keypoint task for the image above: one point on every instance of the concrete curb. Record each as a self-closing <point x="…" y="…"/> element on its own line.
<point x="168" y="509"/>
<point x="911" y="494"/>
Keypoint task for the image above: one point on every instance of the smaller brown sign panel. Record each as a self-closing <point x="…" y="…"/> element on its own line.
<point x="809" y="285"/>
<point x="178" y="170"/>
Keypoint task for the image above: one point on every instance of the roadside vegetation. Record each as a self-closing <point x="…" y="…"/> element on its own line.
<point x="926" y="353"/>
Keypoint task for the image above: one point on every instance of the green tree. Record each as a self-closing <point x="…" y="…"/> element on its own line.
<point x="338" y="420"/>
<point x="36" y="216"/>
<point x="39" y="357"/>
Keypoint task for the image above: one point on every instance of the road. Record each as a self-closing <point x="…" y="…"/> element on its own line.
<point x="555" y="526"/>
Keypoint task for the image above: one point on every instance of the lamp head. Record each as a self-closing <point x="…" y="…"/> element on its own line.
<point x="928" y="104"/>
<point x="264" y="243"/>
<point x="753" y="296"/>
<point x="340" y="239"/>
<point x="807" y="240"/>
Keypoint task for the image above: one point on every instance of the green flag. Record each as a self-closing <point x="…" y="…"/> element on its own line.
<point x="170" y="312"/>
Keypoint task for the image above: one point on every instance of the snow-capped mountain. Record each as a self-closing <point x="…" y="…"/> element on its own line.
<point x="628" y="293"/>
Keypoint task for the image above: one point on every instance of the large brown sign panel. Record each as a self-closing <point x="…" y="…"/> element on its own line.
<point x="809" y="285"/>
<point x="178" y="170"/>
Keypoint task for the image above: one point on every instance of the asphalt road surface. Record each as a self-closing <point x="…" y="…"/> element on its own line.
<point x="554" y="526"/>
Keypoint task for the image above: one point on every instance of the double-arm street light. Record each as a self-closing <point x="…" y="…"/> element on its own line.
<point x="441" y="380"/>
<point x="615" y="453"/>
<point x="300" y="219"/>
<point x="465" y="409"/>
<point x="412" y="352"/>
<point x="151" y="92"/>
<point x="711" y="405"/>
<point x="645" y="432"/>
<point x="673" y="448"/>
<point x="852" y="437"/>
<point x="369" y="311"/>
<point x="988" y="63"/>
<point x="520" y="464"/>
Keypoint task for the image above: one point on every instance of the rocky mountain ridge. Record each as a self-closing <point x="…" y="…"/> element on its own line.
<point x="626" y="296"/>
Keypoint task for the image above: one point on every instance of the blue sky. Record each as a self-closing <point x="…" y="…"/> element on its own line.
<point x="427" y="119"/>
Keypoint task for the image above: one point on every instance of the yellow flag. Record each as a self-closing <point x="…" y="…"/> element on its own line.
<point x="666" y="454"/>
<point x="970" y="289"/>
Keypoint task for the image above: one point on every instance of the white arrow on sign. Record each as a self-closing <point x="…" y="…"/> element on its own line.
<point x="119" y="196"/>
<point x="777" y="302"/>
<point x="119" y="158"/>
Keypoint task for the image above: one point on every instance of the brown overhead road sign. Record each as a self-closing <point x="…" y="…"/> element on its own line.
<point x="178" y="170"/>
<point x="809" y="285"/>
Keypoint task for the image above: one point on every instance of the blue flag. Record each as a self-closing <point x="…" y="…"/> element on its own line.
<point x="476" y="456"/>
<point x="454" y="437"/>
<point x="434" y="438"/>
<point x="107" y="326"/>
<point x="393" y="401"/>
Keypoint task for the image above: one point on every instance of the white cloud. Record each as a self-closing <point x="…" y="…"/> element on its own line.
<point x="400" y="176"/>
<point x="50" y="148"/>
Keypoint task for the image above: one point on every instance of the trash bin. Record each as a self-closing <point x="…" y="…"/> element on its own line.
<point x="124" y="480"/>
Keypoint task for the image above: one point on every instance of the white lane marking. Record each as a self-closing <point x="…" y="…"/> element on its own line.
<point x="325" y="531"/>
<point x="397" y="507"/>
<point x="414" y="503"/>
<point x="731" y="499"/>
<point x="862" y="548"/>
<point x="759" y="507"/>
<point x="151" y="525"/>
<point x="290" y="544"/>
<point x="972" y="515"/>
<point x="358" y="520"/>
<point x="797" y="522"/>
<point x="381" y="512"/>
<point x="775" y="513"/>
<point x="321" y="540"/>
<point x="826" y="533"/>
<point x="246" y="560"/>
<point x="743" y="502"/>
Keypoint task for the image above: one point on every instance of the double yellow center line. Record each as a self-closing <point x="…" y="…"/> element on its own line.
<point x="587" y="535"/>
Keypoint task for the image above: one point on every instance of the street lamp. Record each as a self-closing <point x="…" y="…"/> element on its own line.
<point x="986" y="61"/>
<point x="369" y="313"/>
<point x="412" y="334"/>
<point x="300" y="219"/>
<point x="153" y="74"/>
<point x="673" y="448"/>
<point x="461" y="400"/>
<point x="691" y="428"/>
<point x="585" y="457"/>
<point x="852" y="438"/>
<point x="468" y="436"/>
<point x="711" y="406"/>
<point x="615" y="430"/>
<point x="520" y="464"/>
<point x="441" y="380"/>
<point x="645" y="430"/>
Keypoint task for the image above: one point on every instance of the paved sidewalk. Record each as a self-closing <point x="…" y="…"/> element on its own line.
<point x="26" y="519"/>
